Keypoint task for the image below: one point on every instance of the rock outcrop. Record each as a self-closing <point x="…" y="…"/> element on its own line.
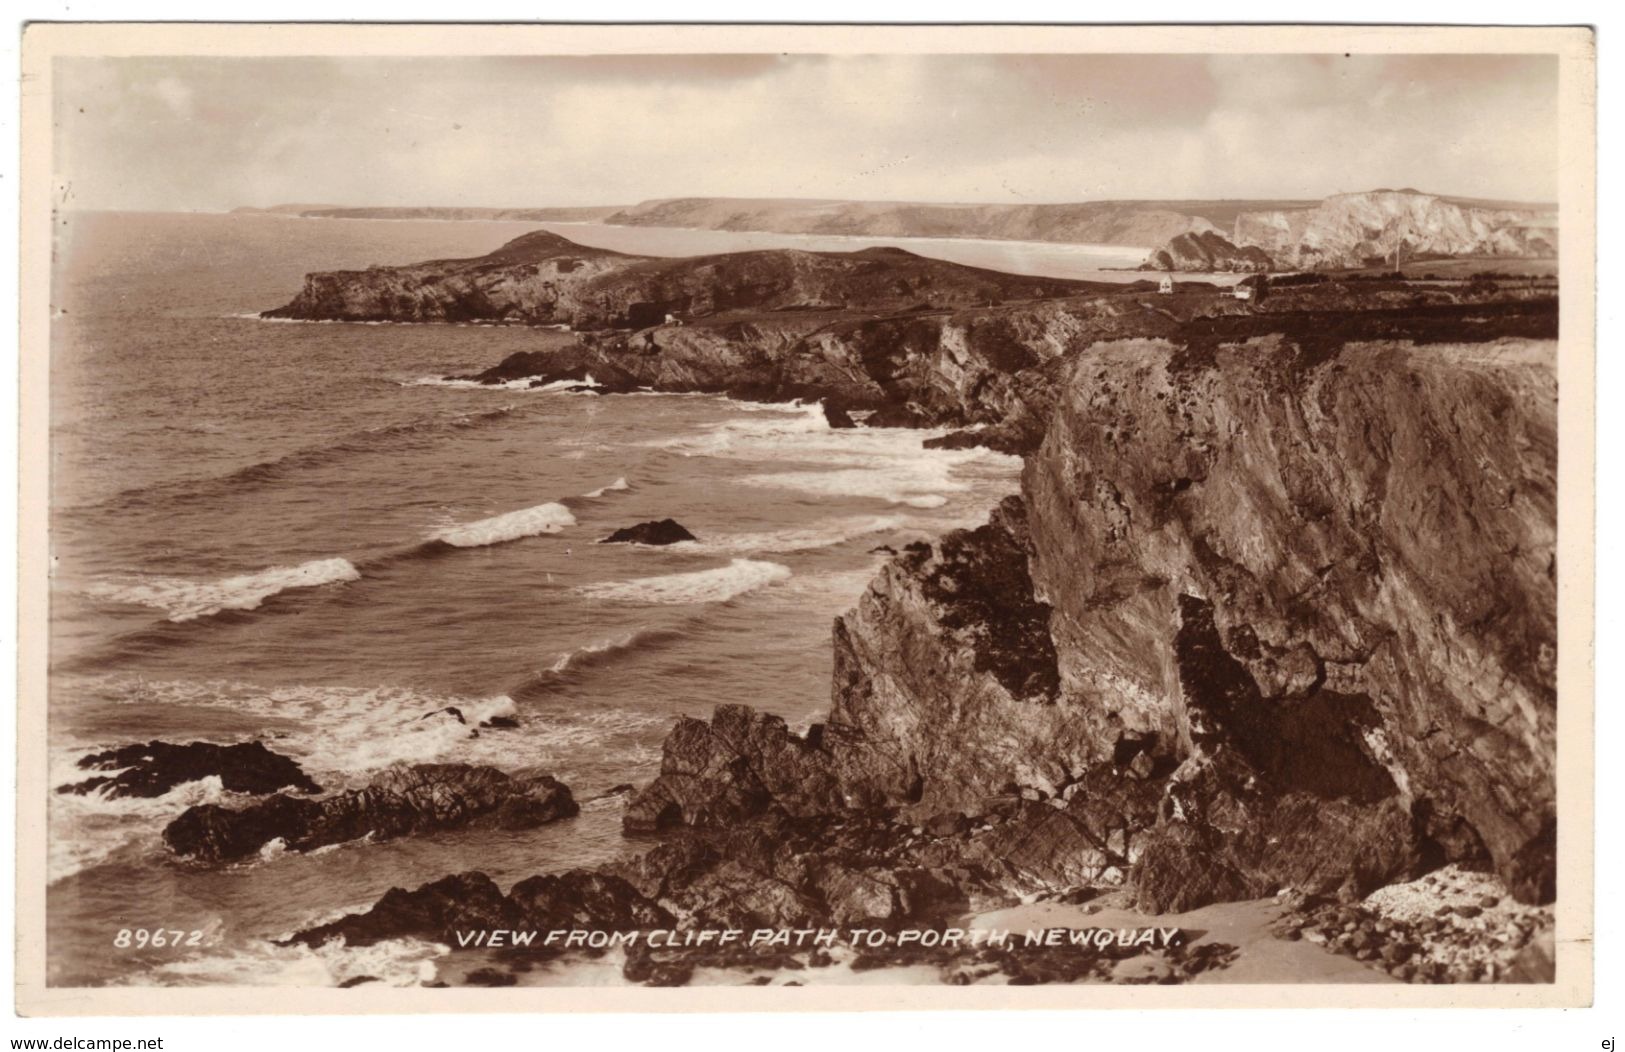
<point x="402" y="801"/>
<point x="1208" y="251"/>
<point x="156" y="767"/>
<point x="541" y="278"/>
<point x="659" y="532"/>
<point x="993" y="371"/>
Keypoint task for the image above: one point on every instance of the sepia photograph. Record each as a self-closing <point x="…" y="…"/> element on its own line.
<point x="594" y="510"/>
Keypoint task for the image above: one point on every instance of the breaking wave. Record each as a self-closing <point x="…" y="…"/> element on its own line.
<point x="342" y="736"/>
<point x="572" y="663"/>
<point x="522" y="383"/>
<point x="618" y="486"/>
<point x="186" y="600"/>
<point x="509" y="526"/>
<point x="820" y="535"/>
<point x="716" y="585"/>
<point x="91" y="828"/>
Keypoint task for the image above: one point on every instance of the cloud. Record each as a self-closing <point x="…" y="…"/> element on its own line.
<point x="215" y="133"/>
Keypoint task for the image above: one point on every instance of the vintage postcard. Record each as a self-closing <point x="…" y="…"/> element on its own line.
<point x="678" y="517"/>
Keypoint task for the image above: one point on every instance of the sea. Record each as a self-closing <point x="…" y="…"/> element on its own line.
<point x="302" y="534"/>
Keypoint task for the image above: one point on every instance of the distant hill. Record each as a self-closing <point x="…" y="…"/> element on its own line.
<point x="1133" y="223"/>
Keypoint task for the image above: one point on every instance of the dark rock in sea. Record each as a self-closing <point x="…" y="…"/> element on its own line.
<point x="837" y="416"/>
<point x="400" y="802"/>
<point x="969" y="438"/>
<point x="358" y="980"/>
<point x="898" y="414"/>
<point x="157" y="767"/>
<point x="499" y="723"/>
<point x="450" y="710"/>
<point x="472" y="901"/>
<point x="664" y="531"/>
<point x="465" y="901"/>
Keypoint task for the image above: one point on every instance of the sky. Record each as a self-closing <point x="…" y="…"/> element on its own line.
<point x="191" y="133"/>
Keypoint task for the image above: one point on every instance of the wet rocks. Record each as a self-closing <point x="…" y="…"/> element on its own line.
<point x="663" y="531"/>
<point x="733" y="768"/>
<point x="837" y="417"/>
<point x="464" y="901"/>
<point x="402" y="801"/>
<point x="156" y="767"/>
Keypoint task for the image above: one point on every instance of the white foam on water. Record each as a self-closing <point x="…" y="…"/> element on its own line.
<point x="509" y="526"/>
<point x="889" y="464"/>
<point x="537" y="384"/>
<point x="618" y="486"/>
<point x="447" y="381"/>
<point x="896" y="486"/>
<point x="88" y="829"/>
<point x="818" y="535"/>
<point x="393" y="962"/>
<point x="716" y="585"/>
<point x="789" y="422"/>
<point x="187" y="600"/>
<point x="343" y="736"/>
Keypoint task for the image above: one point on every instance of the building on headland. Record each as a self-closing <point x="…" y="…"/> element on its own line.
<point x="1167" y="285"/>
<point x="1252" y="288"/>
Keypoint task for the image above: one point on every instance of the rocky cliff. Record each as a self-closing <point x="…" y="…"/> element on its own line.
<point x="1261" y="618"/>
<point x="1353" y="230"/>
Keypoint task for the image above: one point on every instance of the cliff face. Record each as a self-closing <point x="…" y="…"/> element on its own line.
<point x="1349" y="230"/>
<point x="1334" y="576"/>
<point x="1209" y="251"/>
<point x="543" y="279"/>
<point x="1261" y="618"/>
